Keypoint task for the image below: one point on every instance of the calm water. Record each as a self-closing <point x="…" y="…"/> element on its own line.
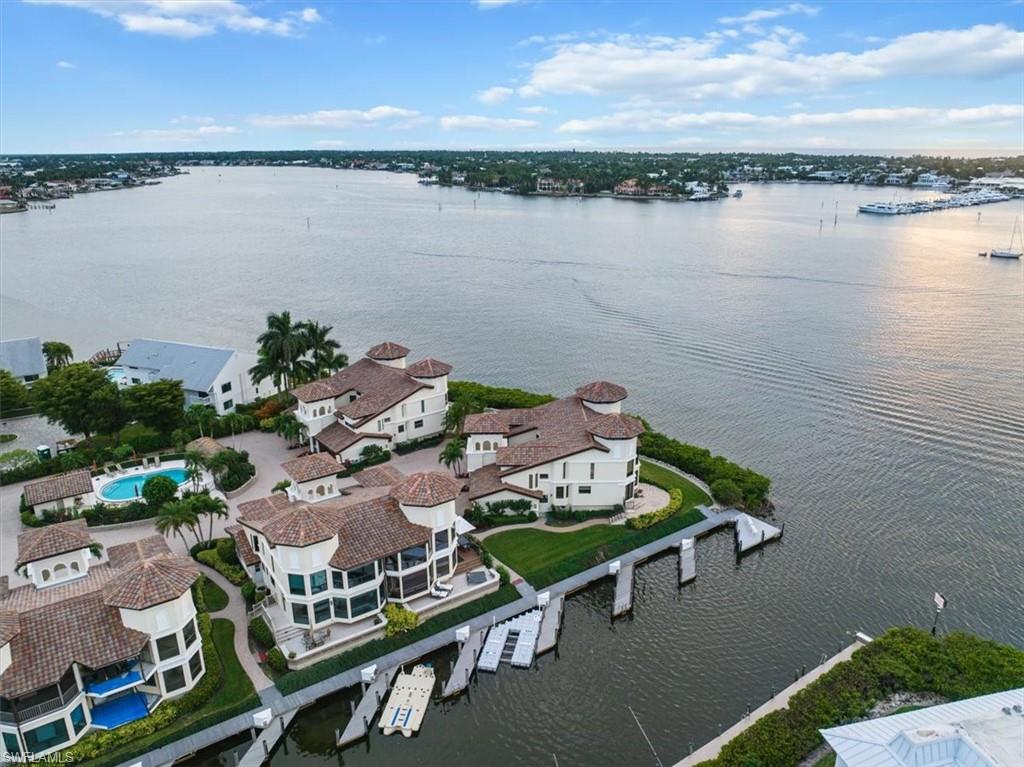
<point x="874" y="369"/>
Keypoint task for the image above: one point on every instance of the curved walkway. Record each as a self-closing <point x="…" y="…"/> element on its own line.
<point x="235" y="612"/>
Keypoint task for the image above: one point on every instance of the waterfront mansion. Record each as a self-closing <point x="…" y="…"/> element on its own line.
<point x="578" y="452"/>
<point x="91" y="644"/>
<point x="379" y="400"/>
<point x="331" y="567"/>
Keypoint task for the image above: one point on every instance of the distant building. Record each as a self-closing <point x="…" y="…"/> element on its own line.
<point x="934" y="181"/>
<point x="987" y="731"/>
<point x="209" y="375"/>
<point x="23" y="358"/>
<point x="72" y="491"/>
<point x="548" y="185"/>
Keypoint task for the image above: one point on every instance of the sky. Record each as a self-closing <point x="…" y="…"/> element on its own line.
<point x="148" y="75"/>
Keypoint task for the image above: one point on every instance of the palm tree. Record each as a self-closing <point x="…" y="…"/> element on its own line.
<point x="289" y="427"/>
<point x="322" y="349"/>
<point x="201" y="416"/>
<point x="455" y="417"/>
<point x="265" y="368"/>
<point x="205" y="504"/>
<point x="174" y="517"/>
<point x="235" y="422"/>
<point x="194" y="468"/>
<point x="281" y="345"/>
<point x="452" y="455"/>
<point x="96" y="549"/>
<point x="58" y="354"/>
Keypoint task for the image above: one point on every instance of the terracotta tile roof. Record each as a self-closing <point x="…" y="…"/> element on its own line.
<point x="487" y="480"/>
<point x="368" y="405"/>
<point x="310" y="467"/>
<point x="616" y="426"/>
<point x="386" y="385"/>
<point x="263" y="509"/>
<point x="125" y="554"/>
<point x="429" y="368"/>
<point x="486" y="423"/>
<point x="82" y="630"/>
<point x="242" y="545"/>
<point x="299" y="525"/>
<point x="428" y="488"/>
<point x="60" y="486"/>
<point x="601" y="392"/>
<point x="383" y="475"/>
<point x="10" y="626"/>
<point x="28" y="597"/>
<point x="315" y="391"/>
<point x="337" y="437"/>
<point x="388" y="350"/>
<point x="366" y="530"/>
<point x="152" y="582"/>
<point x="42" y="542"/>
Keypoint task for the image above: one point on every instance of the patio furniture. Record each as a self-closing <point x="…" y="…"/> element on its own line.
<point x="476" y="577"/>
<point x="315" y="638"/>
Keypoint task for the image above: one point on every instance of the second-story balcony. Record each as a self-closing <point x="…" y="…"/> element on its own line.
<point x="119" y="677"/>
<point x="41" y="702"/>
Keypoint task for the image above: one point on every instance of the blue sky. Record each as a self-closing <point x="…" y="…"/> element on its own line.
<point x="142" y="75"/>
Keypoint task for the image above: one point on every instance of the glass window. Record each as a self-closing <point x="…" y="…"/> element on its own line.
<point x="443" y="566"/>
<point x="225" y="388"/>
<point x="190" y="633"/>
<point x="167" y="647"/>
<point x="228" y="404"/>
<point x="337" y="580"/>
<point x="322" y="611"/>
<point x="341" y="608"/>
<point x="440" y="540"/>
<point x="364" y="603"/>
<point x="49" y="735"/>
<point x="78" y="719"/>
<point x="391" y="562"/>
<point x="629" y="468"/>
<point x="362" y="574"/>
<point x="414" y="583"/>
<point x="318" y="582"/>
<point x="11" y="745"/>
<point x="416" y="555"/>
<point x="423" y="406"/>
<point x="584" y="489"/>
<point x="417" y="424"/>
<point x="296" y="584"/>
<point x="195" y="665"/>
<point x="591" y="471"/>
<point x="300" y="613"/>
<point x="174" y="678"/>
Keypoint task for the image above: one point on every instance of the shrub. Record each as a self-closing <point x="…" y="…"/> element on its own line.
<point x="400" y="619"/>
<point x="199" y="596"/>
<point x="22" y="465"/>
<point x="418" y="444"/>
<point x="158" y="490"/>
<point x="282" y="486"/>
<point x="495" y="396"/>
<point x="726" y="492"/>
<point x="503" y="575"/>
<point x="485" y="558"/>
<point x="235" y="575"/>
<point x="232" y="469"/>
<point x="260" y="633"/>
<point x="226" y="551"/>
<point x="268" y="425"/>
<point x="675" y="502"/>
<point x="249" y="593"/>
<point x="376" y="455"/>
<point x="276" y="660"/>
<point x="518" y="506"/>
<point x="122" y="452"/>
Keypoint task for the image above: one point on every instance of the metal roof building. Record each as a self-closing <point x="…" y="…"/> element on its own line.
<point x="23" y="357"/>
<point x="987" y="731"/>
<point x="197" y="367"/>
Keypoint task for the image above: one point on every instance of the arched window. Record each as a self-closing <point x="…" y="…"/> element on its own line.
<point x="323" y="410"/>
<point x="311" y="493"/>
<point x="46" y="575"/>
<point x="75" y="568"/>
<point x="478" y="447"/>
<point x="487" y="445"/>
<point x="330" y="488"/>
<point x="319" y="489"/>
<point x="60" y="571"/>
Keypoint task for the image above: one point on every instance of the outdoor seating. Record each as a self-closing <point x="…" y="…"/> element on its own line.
<point x="476" y="577"/>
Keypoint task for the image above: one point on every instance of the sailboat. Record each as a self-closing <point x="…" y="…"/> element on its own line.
<point x="1009" y="252"/>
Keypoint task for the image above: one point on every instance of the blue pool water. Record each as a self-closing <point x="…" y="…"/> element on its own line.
<point x="127" y="488"/>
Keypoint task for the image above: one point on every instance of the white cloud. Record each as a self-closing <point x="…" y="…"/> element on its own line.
<point x="179" y="135"/>
<point x="494" y="95"/>
<point x="479" y="122"/>
<point x="191" y="18"/>
<point x="192" y="120"/>
<point x="763" y="14"/>
<point x="330" y="143"/>
<point x="336" y="118"/>
<point x="65" y="65"/>
<point x="487" y="5"/>
<point x="653" y="121"/>
<point x="661" y="67"/>
<point x="535" y="110"/>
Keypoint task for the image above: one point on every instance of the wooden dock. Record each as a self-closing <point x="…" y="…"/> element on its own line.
<point x="623" y="590"/>
<point x="687" y="560"/>
<point x="359" y="724"/>
<point x="463" y="669"/>
<point x="259" y="751"/>
<point x="551" y="624"/>
<point x="407" y="704"/>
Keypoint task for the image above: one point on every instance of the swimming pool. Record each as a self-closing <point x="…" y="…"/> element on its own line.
<point x="130" y="487"/>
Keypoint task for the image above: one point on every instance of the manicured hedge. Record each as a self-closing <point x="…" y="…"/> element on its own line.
<point x="495" y="396"/>
<point x="296" y="680"/>
<point x="675" y="502"/>
<point x="211" y="558"/>
<point x="956" y="666"/>
<point x="418" y="444"/>
<point x="260" y="633"/>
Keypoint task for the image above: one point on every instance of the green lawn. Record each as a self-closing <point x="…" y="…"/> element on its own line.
<point x="544" y="557"/>
<point x="215" y="596"/>
<point x="236" y="685"/>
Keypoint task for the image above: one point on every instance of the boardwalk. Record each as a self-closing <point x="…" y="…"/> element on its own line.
<point x="623" y="591"/>
<point x="780" y="701"/>
<point x="463" y="669"/>
<point x="359" y="725"/>
<point x="259" y="751"/>
<point x="550" y="625"/>
<point x="687" y="560"/>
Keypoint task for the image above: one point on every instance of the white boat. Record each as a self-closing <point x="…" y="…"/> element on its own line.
<point x="882" y="208"/>
<point x="1009" y="252"/>
<point x="738" y="193"/>
<point x="699" y="196"/>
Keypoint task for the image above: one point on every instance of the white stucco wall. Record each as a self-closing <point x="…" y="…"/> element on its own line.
<point x="71" y="502"/>
<point x="59" y="569"/>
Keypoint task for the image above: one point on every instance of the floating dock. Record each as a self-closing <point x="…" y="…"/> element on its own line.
<point x="752" y="532"/>
<point x="687" y="560"/>
<point x="513" y="642"/>
<point x="550" y="624"/>
<point x="408" y="702"/>
<point x="259" y="751"/>
<point x="623" y="590"/>
<point x="359" y="724"/>
<point x="463" y="669"/>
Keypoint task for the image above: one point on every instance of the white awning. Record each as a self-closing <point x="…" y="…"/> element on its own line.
<point x="462" y="526"/>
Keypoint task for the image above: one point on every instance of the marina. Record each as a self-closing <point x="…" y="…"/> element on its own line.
<point x="959" y="200"/>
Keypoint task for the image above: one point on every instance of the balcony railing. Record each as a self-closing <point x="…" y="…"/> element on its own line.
<point x="40" y="709"/>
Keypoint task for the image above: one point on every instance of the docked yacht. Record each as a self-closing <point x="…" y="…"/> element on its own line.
<point x="882" y="208"/>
